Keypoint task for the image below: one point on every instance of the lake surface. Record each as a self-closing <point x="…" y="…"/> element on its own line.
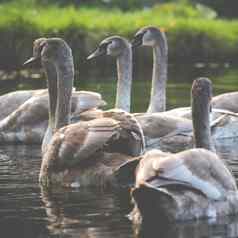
<point x="28" y="212"/>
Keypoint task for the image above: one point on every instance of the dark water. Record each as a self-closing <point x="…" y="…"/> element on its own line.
<point x="28" y="212"/>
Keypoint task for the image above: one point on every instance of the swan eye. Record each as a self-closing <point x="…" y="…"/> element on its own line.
<point x="38" y="47"/>
<point x="100" y="51"/>
<point x="140" y="35"/>
<point x="104" y="45"/>
<point x="37" y="50"/>
<point x="138" y="39"/>
<point x="41" y="46"/>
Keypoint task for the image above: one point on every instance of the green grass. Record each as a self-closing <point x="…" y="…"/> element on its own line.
<point x="190" y="31"/>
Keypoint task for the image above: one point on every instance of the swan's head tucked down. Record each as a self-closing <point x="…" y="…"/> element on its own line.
<point x="148" y="36"/>
<point x="113" y="46"/>
<point x="49" y="50"/>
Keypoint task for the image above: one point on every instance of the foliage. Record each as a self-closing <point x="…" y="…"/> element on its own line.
<point x="123" y="5"/>
<point x="225" y="8"/>
<point x="192" y="36"/>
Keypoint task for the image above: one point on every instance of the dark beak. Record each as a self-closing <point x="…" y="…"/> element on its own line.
<point x="98" y="52"/>
<point x="137" y="40"/>
<point x="32" y="61"/>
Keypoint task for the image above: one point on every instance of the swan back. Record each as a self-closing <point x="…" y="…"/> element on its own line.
<point x="188" y="185"/>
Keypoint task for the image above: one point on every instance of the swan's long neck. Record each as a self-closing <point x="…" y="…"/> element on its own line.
<point x="159" y="79"/>
<point x="124" y="70"/>
<point x="52" y="89"/>
<point x="60" y="83"/>
<point x="201" y="122"/>
<point x="65" y="75"/>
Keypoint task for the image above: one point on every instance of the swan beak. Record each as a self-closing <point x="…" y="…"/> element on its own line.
<point x="96" y="53"/>
<point x="137" y="40"/>
<point x="31" y="61"/>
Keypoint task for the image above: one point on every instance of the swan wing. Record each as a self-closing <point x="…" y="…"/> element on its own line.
<point x="131" y="131"/>
<point x="100" y="132"/>
<point x="227" y="101"/>
<point x="158" y="125"/>
<point x="196" y="168"/>
<point x="82" y="141"/>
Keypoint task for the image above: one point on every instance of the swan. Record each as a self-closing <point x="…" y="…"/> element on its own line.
<point x="27" y="117"/>
<point x="153" y="37"/>
<point x="188" y="185"/>
<point x="120" y="48"/>
<point x="161" y="129"/>
<point x="88" y="152"/>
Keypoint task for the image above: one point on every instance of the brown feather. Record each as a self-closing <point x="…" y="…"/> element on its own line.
<point x="89" y="152"/>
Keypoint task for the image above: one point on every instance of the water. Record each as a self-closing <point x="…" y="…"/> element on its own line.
<point x="27" y="212"/>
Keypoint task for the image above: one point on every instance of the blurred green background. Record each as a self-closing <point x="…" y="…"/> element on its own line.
<point x="202" y="37"/>
<point x="208" y="27"/>
<point x="224" y="8"/>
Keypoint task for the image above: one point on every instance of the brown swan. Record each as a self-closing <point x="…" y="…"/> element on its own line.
<point x="84" y="153"/>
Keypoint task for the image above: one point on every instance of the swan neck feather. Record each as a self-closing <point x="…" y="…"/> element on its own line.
<point x="124" y="71"/>
<point x="159" y="79"/>
<point x="201" y="122"/>
<point x="65" y="76"/>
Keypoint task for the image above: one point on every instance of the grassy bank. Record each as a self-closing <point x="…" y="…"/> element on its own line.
<point x="192" y="35"/>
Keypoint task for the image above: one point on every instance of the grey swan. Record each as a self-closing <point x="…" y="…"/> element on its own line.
<point x="120" y="48"/>
<point x="223" y="120"/>
<point x="153" y="37"/>
<point x="86" y="153"/>
<point x="161" y="129"/>
<point x="188" y="185"/>
<point x="27" y="116"/>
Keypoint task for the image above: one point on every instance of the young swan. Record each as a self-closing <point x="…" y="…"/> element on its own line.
<point x="84" y="153"/>
<point x="188" y="185"/>
<point x="120" y="48"/>
<point x="25" y="117"/>
<point x="153" y="37"/>
<point x="173" y="127"/>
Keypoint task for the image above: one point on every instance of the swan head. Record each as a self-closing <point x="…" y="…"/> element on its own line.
<point x="147" y="36"/>
<point x="38" y="44"/>
<point x="113" y="46"/>
<point x="202" y="90"/>
<point x="49" y="50"/>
